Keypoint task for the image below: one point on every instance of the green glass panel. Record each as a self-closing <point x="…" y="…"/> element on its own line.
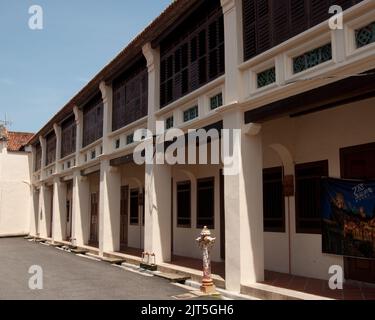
<point x="312" y="58"/>
<point x="266" y="77"/>
<point x="365" y="35"/>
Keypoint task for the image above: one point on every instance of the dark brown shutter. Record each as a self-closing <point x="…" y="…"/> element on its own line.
<point x="193" y="54"/>
<point x="130" y="94"/>
<point x="68" y="137"/>
<point x="267" y="23"/>
<point x="281" y="21"/>
<point x="249" y="29"/>
<point x="298" y="16"/>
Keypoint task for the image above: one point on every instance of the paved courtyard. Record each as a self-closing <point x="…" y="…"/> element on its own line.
<point x="67" y="276"/>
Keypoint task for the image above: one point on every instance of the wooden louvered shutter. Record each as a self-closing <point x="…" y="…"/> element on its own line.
<point x="263" y="26"/>
<point x="144" y="83"/>
<point x="281" y="25"/>
<point x="221" y="46"/>
<point x="177" y="81"/>
<point x="194" y="72"/>
<point x="318" y="11"/>
<point x="345" y="4"/>
<point x="249" y="29"/>
<point x="298" y="16"/>
<point x="163" y="77"/>
<point x="202" y="62"/>
<point x="212" y="44"/>
<point x="116" y="111"/>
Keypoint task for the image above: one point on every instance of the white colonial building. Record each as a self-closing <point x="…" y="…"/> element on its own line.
<point x="303" y="96"/>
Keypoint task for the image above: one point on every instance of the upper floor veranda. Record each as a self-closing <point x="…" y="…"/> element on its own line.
<point x="199" y="59"/>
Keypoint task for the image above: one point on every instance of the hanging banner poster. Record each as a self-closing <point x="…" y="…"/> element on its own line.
<point x="348" y="209"/>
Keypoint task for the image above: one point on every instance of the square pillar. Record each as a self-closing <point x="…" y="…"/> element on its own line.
<point x="57" y="130"/>
<point x="153" y="66"/>
<point x="233" y="40"/>
<point x="107" y="95"/>
<point x="158" y="225"/>
<point x="109" y="208"/>
<point x="44" y="156"/>
<point x="34" y="211"/>
<point x="79" y="133"/>
<point x="243" y="191"/>
<point x="80" y="210"/>
<point x="59" y="210"/>
<point x="45" y="214"/>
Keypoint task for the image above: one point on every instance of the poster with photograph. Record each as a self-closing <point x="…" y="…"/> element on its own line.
<point x="348" y="226"/>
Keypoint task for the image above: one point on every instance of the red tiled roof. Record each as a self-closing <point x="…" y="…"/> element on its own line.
<point x="16" y="140"/>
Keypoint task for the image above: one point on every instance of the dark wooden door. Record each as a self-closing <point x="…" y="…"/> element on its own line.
<point x="222" y="216"/>
<point x="94" y="221"/>
<point x="51" y="216"/>
<point x="68" y="234"/>
<point x="359" y="163"/>
<point x="124" y="204"/>
<point x="69" y="206"/>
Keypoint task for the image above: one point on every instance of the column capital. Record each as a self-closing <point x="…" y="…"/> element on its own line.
<point x="77" y="114"/>
<point x="105" y="91"/>
<point x="227" y="5"/>
<point x="42" y="141"/>
<point x="150" y="54"/>
<point x="252" y="129"/>
<point x="56" y="128"/>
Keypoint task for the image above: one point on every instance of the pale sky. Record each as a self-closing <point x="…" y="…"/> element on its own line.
<point x="41" y="70"/>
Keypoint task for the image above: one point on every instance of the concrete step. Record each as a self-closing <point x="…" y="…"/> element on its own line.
<point x="267" y="292"/>
<point x="55" y="245"/>
<point x="79" y="251"/>
<point x="112" y="260"/>
<point x="172" y="277"/>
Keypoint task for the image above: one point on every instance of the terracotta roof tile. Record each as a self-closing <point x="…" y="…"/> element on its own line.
<point x="16" y="140"/>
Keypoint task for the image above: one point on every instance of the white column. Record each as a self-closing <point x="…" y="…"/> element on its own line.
<point x="44" y="155"/>
<point x="244" y="248"/>
<point x="107" y="116"/>
<point x="45" y="214"/>
<point x="158" y="177"/>
<point x="59" y="210"/>
<point x="80" y="209"/>
<point x="158" y="211"/>
<point x="57" y="130"/>
<point x="34" y="208"/>
<point x="79" y="131"/>
<point x="153" y="65"/>
<point x="109" y="208"/>
<point x="232" y="10"/>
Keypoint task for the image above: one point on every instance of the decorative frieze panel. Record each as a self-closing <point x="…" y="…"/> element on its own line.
<point x="365" y="36"/>
<point x="266" y="77"/>
<point x="312" y="58"/>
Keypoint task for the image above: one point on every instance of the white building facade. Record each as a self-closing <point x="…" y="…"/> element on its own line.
<point x="302" y="97"/>
<point x="15" y="185"/>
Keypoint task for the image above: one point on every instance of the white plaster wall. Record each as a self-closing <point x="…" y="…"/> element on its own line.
<point x="134" y="177"/>
<point x="14" y="193"/>
<point x="313" y="137"/>
<point x="184" y="243"/>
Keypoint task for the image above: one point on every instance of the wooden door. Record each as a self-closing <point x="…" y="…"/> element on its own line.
<point x="51" y="215"/>
<point x="69" y="206"/>
<point x="124" y="205"/>
<point x="222" y="216"/>
<point x="94" y="221"/>
<point x="359" y="163"/>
